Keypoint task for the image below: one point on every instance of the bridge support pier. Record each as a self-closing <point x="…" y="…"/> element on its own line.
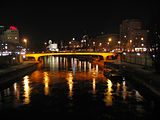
<point x="36" y="58"/>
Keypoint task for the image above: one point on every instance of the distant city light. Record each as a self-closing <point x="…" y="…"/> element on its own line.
<point x="139" y="54"/>
<point x="130" y="41"/>
<point x="124" y="53"/>
<point x="109" y="39"/>
<point x="142" y="38"/>
<point x="13" y="28"/>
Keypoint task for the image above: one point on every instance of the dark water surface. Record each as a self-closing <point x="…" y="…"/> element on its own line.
<point x="71" y="88"/>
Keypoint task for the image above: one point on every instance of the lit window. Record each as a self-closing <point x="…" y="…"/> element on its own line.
<point x="142" y="38"/>
<point x="130" y="41"/>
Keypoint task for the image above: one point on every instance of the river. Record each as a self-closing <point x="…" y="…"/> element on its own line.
<point x="73" y="88"/>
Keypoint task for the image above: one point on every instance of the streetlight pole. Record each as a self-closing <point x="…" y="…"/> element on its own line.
<point x="25" y="42"/>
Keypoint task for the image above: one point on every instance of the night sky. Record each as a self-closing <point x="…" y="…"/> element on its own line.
<point x="61" y="21"/>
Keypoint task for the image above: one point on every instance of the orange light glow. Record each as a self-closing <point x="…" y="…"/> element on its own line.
<point x="70" y="83"/>
<point x="108" y="98"/>
<point x="26" y="90"/>
<point x="46" y="83"/>
<point x="37" y="55"/>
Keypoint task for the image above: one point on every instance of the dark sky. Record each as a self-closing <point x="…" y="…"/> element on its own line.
<point x="41" y="21"/>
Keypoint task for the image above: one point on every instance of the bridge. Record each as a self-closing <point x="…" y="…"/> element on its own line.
<point x="106" y="56"/>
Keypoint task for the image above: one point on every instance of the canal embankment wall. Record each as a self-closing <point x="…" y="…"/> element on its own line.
<point x="12" y="73"/>
<point x="147" y="80"/>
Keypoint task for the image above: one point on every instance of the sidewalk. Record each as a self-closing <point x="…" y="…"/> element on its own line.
<point x="146" y="77"/>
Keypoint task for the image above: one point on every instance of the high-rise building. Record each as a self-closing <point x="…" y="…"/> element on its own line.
<point x="132" y="36"/>
<point x="1" y="32"/>
<point x="10" y="39"/>
<point x="11" y="35"/>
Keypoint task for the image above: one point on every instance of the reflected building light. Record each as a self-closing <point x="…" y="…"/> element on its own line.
<point x="75" y="60"/>
<point x="94" y="85"/>
<point x="80" y="64"/>
<point x="60" y="62"/>
<point x="26" y="89"/>
<point x="57" y="63"/>
<point x="108" y="98"/>
<point x="71" y="61"/>
<point x="54" y="63"/>
<point x="85" y="65"/>
<point x="97" y="68"/>
<point x="90" y="67"/>
<point x="64" y="62"/>
<point x="16" y="91"/>
<point x="118" y="87"/>
<point x="75" y="63"/>
<point x="124" y="90"/>
<point x="70" y="84"/>
<point x="15" y="88"/>
<point x="73" y="68"/>
<point x="7" y="92"/>
<point x="138" y="96"/>
<point x="46" y="83"/>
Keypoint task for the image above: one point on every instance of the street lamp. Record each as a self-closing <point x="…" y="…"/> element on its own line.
<point x="119" y="42"/>
<point x="45" y="45"/>
<point x="25" y="42"/>
<point x="109" y="39"/>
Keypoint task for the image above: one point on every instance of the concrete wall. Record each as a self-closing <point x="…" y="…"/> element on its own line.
<point x="140" y="59"/>
<point x="9" y="60"/>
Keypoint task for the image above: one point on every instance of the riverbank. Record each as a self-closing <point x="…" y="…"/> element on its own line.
<point x="10" y="74"/>
<point x="147" y="80"/>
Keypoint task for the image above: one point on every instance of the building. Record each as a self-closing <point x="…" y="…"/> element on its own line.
<point x="1" y="32"/>
<point x="105" y="43"/>
<point x="53" y="47"/>
<point x="10" y="40"/>
<point x="132" y="36"/>
<point x="74" y="45"/>
<point x="84" y="43"/>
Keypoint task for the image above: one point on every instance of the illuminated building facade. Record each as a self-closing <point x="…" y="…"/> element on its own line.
<point x="105" y="43"/>
<point x="10" y="40"/>
<point x="132" y="36"/>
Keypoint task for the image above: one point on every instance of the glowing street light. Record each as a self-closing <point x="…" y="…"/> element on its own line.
<point x="109" y="39"/>
<point x="25" y="42"/>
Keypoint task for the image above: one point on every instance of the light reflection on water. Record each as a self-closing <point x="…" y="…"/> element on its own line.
<point x="75" y="79"/>
<point x="108" y="94"/>
<point x="27" y="89"/>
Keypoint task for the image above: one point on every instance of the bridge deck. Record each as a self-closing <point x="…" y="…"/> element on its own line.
<point x="37" y="55"/>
